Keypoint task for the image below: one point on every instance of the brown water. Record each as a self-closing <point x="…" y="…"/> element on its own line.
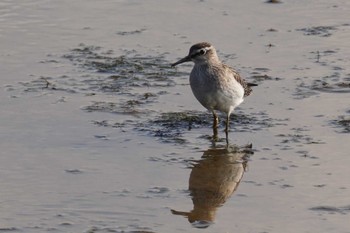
<point x="99" y="134"/>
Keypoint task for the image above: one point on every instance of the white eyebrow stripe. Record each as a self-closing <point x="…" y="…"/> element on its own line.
<point x="204" y="48"/>
<point x="208" y="48"/>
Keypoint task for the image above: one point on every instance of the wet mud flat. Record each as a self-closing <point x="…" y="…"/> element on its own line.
<point x="129" y="88"/>
<point x="136" y="84"/>
<point x="110" y="139"/>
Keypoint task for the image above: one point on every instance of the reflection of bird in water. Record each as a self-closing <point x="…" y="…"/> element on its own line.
<point x="213" y="180"/>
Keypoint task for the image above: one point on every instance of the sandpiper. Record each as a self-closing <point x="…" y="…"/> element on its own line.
<point x="215" y="85"/>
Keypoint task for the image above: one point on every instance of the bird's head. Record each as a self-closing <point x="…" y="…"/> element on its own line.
<point x="199" y="53"/>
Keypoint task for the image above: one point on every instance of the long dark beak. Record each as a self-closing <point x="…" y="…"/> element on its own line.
<point x="185" y="59"/>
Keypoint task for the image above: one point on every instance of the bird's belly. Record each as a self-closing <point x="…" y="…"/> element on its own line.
<point x="215" y="92"/>
<point x="218" y="99"/>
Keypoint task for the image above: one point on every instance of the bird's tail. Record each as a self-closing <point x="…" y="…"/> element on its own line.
<point x="252" y="84"/>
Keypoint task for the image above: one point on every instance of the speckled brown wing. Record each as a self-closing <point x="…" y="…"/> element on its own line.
<point x="247" y="87"/>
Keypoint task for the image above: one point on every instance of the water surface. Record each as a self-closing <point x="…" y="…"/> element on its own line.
<point x="99" y="134"/>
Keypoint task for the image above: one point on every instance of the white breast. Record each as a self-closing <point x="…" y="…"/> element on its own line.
<point x="216" y="92"/>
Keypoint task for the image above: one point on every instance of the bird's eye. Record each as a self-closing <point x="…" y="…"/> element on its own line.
<point x="198" y="53"/>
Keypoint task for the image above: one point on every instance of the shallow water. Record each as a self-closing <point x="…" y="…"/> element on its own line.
<point x="99" y="134"/>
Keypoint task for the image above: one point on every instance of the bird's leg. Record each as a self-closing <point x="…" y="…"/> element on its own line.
<point x="227" y="127"/>
<point x="215" y="126"/>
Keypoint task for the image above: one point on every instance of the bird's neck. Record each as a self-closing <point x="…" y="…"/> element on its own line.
<point x="207" y="63"/>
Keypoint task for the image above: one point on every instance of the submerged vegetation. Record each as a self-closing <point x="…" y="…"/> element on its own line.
<point x="137" y="82"/>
